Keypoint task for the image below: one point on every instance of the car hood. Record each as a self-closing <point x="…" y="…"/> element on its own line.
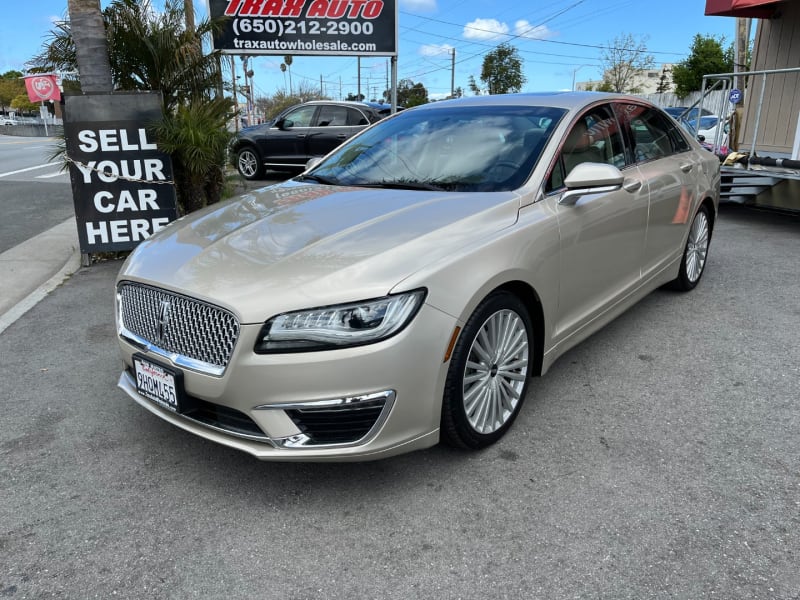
<point x="294" y="246"/>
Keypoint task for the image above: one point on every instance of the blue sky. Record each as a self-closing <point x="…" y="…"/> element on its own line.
<point x="561" y="41"/>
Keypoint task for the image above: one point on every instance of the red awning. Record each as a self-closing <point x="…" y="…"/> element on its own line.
<point x="756" y="9"/>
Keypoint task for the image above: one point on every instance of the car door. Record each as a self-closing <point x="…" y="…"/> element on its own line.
<point x="334" y="124"/>
<point x="668" y="166"/>
<point x="286" y="141"/>
<point x="601" y="235"/>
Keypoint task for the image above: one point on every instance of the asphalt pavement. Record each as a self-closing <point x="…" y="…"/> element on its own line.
<point x="658" y="459"/>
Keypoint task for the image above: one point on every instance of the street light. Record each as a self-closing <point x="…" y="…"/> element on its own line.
<point x="575" y="72"/>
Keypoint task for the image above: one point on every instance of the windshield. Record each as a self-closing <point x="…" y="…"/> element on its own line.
<point x="457" y="148"/>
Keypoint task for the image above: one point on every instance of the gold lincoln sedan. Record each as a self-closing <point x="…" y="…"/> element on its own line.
<point x="406" y="288"/>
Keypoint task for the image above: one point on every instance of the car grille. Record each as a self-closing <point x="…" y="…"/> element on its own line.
<point x="338" y="424"/>
<point x="191" y="333"/>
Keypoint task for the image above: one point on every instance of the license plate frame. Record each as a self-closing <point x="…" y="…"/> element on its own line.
<point x="159" y="383"/>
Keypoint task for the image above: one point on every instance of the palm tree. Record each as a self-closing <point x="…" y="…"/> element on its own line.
<point x="91" y="48"/>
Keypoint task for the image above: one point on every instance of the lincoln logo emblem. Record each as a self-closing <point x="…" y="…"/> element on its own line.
<point x="163" y="320"/>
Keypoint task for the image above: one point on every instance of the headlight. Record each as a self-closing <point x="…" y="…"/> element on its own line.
<point x="339" y="326"/>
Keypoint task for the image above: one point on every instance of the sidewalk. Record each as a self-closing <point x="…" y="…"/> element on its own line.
<point x="34" y="268"/>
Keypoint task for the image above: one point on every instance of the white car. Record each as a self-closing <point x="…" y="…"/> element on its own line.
<point x="8" y="121"/>
<point x="708" y="126"/>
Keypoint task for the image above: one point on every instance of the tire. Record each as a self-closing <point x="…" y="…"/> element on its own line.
<point x="249" y="164"/>
<point x="695" y="253"/>
<point x="489" y="373"/>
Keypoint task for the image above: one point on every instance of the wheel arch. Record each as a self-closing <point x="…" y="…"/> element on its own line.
<point x="712" y="213"/>
<point x="530" y="298"/>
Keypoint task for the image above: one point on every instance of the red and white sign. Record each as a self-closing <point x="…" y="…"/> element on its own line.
<point x="42" y="88"/>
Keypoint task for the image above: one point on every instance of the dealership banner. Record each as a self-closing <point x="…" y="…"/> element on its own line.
<point x="42" y="88"/>
<point x="121" y="183"/>
<point x="306" y="27"/>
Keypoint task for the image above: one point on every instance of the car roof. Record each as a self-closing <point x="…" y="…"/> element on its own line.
<point x="566" y="100"/>
<point x="338" y="103"/>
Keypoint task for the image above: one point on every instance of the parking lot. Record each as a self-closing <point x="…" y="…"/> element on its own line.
<point x="658" y="459"/>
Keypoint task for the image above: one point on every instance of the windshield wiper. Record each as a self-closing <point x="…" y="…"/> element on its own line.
<point x="403" y="185"/>
<point x="319" y="179"/>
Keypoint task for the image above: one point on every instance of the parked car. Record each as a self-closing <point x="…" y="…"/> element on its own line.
<point x="8" y="121"/>
<point x="407" y="287"/>
<point x="685" y="112"/>
<point x="707" y="128"/>
<point x="298" y="134"/>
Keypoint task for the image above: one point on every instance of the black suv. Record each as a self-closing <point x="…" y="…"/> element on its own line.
<point x="298" y="134"/>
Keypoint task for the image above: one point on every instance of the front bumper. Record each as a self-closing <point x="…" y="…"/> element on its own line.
<point x="386" y="396"/>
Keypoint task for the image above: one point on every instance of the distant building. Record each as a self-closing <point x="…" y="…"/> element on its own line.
<point x="651" y="81"/>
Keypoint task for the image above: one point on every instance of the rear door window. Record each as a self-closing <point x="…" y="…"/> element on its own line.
<point x="651" y="135"/>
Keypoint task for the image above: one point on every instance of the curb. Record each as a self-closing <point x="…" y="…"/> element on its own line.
<point x="34" y="268"/>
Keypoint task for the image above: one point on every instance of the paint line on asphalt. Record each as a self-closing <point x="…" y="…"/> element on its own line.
<point x="26" y="170"/>
<point x="49" y="175"/>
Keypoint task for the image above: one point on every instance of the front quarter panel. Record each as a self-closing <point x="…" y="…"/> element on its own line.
<point x="526" y="252"/>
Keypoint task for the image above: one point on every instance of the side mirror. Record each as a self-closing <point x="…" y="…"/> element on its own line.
<point x="590" y="178"/>
<point x="285" y="124"/>
<point x="313" y="162"/>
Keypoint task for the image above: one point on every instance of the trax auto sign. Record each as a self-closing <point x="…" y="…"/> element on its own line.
<point x="121" y="183"/>
<point x="306" y="27"/>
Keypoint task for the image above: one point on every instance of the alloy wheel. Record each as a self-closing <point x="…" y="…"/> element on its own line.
<point x="697" y="247"/>
<point x="495" y="372"/>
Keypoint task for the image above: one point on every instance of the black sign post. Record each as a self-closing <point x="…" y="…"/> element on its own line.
<point x="121" y="183"/>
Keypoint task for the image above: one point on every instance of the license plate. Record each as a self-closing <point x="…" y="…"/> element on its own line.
<point x="160" y="384"/>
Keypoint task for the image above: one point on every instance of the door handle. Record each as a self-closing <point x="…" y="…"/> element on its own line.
<point x="341" y="136"/>
<point x="632" y="185"/>
<point x="301" y="135"/>
<point x="686" y="167"/>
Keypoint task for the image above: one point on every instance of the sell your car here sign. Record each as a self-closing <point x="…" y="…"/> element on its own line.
<point x="306" y="27"/>
<point x="121" y="183"/>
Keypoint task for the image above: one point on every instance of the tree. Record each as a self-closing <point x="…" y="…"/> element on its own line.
<point x="91" y="45"/>
<point x="23" y="104"/>
<point x="473" y="86"/>
<point x="705" y="57"/>
<point x="664" y="81"/>
<point x="502" y="70"/>
<point x="411" y="94"/>
<point x="280" y="100"/>
<point x="11" y="86"/>
<point x="623" y="59"/>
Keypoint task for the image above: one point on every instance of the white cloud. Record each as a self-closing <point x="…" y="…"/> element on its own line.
<point x="435" y="49"/>
<point x="485" y="29"/>
<point x="524" y="29"/>
<point x="419" y="5"/>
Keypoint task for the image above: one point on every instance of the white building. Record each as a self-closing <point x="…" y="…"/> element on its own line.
<point x="650" y="81"/>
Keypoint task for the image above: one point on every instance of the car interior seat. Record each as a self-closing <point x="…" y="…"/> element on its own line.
<point x="578" y="148"/>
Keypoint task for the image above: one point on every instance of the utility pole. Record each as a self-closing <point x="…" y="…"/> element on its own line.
<point x="358" y="60"/>
<point x="235" y="94"/>
<point x="741" y="42"/>
<point x="453" y="73"/>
